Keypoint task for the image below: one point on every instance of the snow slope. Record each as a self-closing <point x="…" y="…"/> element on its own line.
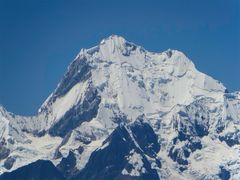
<point x="117" y="84"/>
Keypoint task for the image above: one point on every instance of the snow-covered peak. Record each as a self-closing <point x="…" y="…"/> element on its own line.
<point x="116" y="46"/>
<point x="115" y="40"/>
<point x="112" y="47"/>
<point x="131" y="78"/>
<point x="113" y="84"/>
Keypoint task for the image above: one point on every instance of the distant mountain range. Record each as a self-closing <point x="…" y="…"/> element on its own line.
<point x="122" y="112"/>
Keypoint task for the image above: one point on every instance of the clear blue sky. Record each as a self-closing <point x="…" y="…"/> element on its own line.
<point x="39" y="38"/>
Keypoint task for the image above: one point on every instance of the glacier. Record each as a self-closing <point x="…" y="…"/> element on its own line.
<point x="121" y="112"/>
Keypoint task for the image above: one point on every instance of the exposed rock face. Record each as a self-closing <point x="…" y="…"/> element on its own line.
<point x="120" y="158"/>
<point x="84" y="111"/>
<point x="8" y="163"/>
<point x="67" y="165"/>
<point x="4" y="152"/>
<point x="38" y="170"/>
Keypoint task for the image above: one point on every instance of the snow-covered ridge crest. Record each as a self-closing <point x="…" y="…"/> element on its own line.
<point x="117" y="61"/>
<point x="115" y="83"/>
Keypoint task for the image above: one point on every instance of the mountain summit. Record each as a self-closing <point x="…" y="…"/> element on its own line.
<point x="122" y="112"/>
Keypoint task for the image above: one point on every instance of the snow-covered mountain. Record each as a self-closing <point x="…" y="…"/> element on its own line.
<point x="121" y="112"/>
